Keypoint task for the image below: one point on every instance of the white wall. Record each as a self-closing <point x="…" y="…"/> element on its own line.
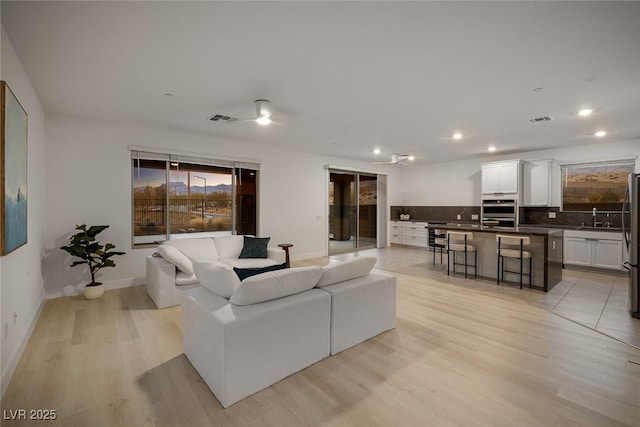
<point x="22" y="270"/>
<point x="89" y="181"/>
<point x="458" y="183"/>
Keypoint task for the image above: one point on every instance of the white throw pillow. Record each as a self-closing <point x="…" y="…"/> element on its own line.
<point x="229" y="247"/>
<point x="198" y="249"/>
<point x="275" y="284"/>
<point x="347" y="270"/>
<point x="185" y="279"/>
<point x="175" y="257"/>
<point x="217" y="277"/>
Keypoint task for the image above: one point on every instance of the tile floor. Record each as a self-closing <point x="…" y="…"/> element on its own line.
<point x="597" y="301"/>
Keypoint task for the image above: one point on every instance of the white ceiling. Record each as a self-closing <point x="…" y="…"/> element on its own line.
<point x="343" y="77"/>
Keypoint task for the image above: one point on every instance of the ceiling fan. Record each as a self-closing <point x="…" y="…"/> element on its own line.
<point x="263" y="114"/>
<point x="397" y="159"/>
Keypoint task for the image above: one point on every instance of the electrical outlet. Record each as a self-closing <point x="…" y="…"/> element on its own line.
<point x="474" y="216"/>
<point x="552" y="215"/>
<point x="459" y="217"/>
<point x="5" y="332"/>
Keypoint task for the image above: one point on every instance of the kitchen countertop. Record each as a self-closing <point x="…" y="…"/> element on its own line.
<point x="533" y="231"/>
<point x="575" y="227"/>
<point x="522" y="227"/>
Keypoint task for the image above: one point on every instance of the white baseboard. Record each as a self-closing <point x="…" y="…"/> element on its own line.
<point x="308" y="255"/>
<point x="113" y="284"/>
<point x="17" y="353"/>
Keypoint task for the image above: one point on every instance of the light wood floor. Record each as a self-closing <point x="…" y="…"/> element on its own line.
<point x="596" y="300"/>
<point x="459" y="356"/>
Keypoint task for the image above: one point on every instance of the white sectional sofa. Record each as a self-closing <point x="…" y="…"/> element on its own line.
<point x="170" y="271"/>
<point x="245" y="336"/>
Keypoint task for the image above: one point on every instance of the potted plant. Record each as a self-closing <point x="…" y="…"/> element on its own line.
<point x="404" y="214"/>
<point x="84" y="245"/>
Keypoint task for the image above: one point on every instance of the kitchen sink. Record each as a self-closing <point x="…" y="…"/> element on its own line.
<point x="601" y="228"/>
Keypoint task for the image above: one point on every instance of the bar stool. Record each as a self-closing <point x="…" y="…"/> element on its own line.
<point x="440" y="242"/>
<point x="510" y="246"/>
<point x="458" y="241"/>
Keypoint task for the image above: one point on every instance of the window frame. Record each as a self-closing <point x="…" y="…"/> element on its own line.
<point x="630" y="161"/>
<point x="169" y="156"/>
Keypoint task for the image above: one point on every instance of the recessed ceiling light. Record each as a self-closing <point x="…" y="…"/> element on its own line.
<point x="600" y="133"/>
<point x="538" y="89"/>
<point x="492" y="148"/>
<point x="457" y="135"/>
<point x="411" y="158"/>
<point x="263" y="120"/>
<point x="376" y="151"/>
<point x="169" y="95"/>
<point x="585" y="112"/>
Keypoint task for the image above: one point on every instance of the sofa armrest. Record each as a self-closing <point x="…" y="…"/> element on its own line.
<point x="161" y="281"/>
<point x="276" y="254"/>
<point x="239" y="350"/>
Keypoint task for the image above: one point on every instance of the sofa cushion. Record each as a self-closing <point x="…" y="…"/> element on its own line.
<point x="249" y="262"/>
<point x="254" y="247"/>
<point x="186" y="279"/>
<point x="275" y="284"/>
<point x="200" y="249"/>
<point x="350" y="269"/>
<point x="229" y="247"/>
<point x="176" y="257"/>
<point x="219" y="278"/>
<point x="244" y="273"/>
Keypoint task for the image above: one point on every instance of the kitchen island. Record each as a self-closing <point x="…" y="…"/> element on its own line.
<point x="545" y="247"/>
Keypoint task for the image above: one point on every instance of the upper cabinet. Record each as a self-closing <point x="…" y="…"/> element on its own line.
<point x="501" y="177"/>
<point x="540" y="183"/>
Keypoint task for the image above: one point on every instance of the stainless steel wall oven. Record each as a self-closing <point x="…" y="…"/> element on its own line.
<point x="500" y="212"/>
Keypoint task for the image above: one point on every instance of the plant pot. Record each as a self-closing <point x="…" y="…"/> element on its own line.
<point x="93" y="291"/>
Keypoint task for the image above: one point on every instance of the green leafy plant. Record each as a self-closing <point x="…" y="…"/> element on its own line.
<point x="84" y="245"/>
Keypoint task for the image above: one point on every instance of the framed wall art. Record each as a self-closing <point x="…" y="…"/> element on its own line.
<point x="13" y="156"/>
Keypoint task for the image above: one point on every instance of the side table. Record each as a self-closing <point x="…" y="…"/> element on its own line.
<point x="285" y="247"/>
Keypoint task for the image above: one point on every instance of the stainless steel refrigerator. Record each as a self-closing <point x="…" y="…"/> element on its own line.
<point x="631" y="232"/>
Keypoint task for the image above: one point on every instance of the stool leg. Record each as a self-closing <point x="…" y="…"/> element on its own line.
<point x="521" y="263"/>
<point x="434" y="254"/>
<point x="465" y="256"/>
<point x="448" y="257"/>
<point x="521" y="271"/>
<point x="530" y="271"/>
<point x="475" y="268"/>
<point x="498" y="271"/>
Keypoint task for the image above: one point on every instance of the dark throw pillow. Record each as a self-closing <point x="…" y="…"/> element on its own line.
<point x="243" y="273"/>
<point x="254" y="247"/>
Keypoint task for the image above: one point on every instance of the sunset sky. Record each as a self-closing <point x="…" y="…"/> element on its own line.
<point x="156" y="177"/>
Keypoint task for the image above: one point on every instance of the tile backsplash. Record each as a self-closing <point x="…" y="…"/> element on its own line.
<point x="538" y="216"/>
<point x="541" y="216"/>
<point x="438" y="213"/>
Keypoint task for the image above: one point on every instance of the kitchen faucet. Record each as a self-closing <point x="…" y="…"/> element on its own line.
<point x="595" y="223"/>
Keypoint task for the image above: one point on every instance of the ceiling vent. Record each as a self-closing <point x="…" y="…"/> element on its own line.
<point x="541" y="119"/>
<point x="222" y="118"/>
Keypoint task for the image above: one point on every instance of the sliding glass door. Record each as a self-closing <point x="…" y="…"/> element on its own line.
<point x="352" y="211"/>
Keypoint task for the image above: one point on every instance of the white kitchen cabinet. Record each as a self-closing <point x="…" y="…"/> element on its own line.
<point x="540" y="183"/>
<point x="410" y="233"/>
<point x="501" y="177"/>
<point x="577" y="251"/>
<point x="607" y="254"/>
<point x="396" y="233"/>
<point x="599" y="249"/>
